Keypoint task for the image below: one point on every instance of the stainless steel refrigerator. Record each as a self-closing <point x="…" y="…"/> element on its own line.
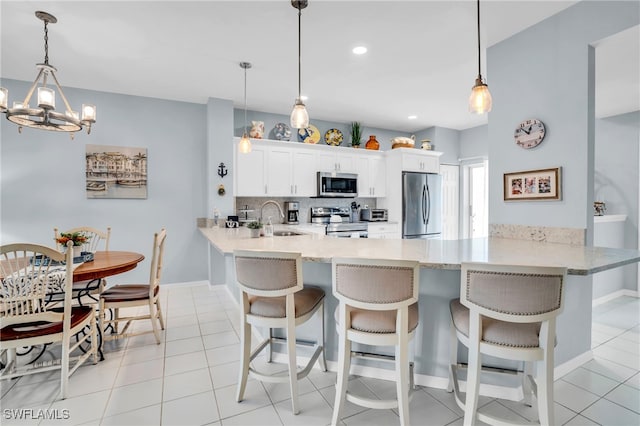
<point x="421" y="205"/>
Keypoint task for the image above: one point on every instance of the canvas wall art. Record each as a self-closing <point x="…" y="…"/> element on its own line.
<point x="116" y="172"/>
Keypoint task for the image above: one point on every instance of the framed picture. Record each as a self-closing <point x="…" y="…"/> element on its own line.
<point x="116" y="172"/>
<point x="533" y="185"/>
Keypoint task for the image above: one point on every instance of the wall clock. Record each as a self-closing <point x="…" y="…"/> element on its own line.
<point x="529" y="133"/>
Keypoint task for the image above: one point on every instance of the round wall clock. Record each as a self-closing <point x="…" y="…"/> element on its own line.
<point x="529" y="133"/>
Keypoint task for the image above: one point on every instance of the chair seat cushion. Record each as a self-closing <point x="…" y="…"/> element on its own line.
<point x="126" y="293"/>
<point x="516" y="335"/>
<point x="379" y="321"/>
<point x="305" y="301"/>
<point x="44" y="328"/>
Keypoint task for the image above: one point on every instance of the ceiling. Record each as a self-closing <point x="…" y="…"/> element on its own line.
<point x="421" y="58"/>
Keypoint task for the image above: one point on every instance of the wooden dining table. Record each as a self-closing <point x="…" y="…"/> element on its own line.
<point x="106" y="264"/>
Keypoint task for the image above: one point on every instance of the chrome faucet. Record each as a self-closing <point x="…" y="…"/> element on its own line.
<point x="276" y="204"/>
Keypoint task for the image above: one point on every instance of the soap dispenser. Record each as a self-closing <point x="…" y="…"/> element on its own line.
<point x="268" y="228"/>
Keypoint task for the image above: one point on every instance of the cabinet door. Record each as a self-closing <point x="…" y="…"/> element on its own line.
<point x="327" y="162"/>
<point x="303" y="178"/>
<point x="364" y="180"/>
<point x="279" y="172"/>
<point x="412" y="163"/>
<point x="378" y="177"/>
<point x="347" y="163"/>
<point x="250" y="172"/>
<point x="431" y="164"/>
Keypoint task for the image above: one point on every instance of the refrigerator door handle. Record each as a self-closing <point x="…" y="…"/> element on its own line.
<point x="422" y="207"/>
<point x="428" y="200"/>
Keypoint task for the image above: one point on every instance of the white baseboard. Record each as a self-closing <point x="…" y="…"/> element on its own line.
<point x="567" y="367"/>
<point x="186" y="284"/>
<point x="619" y="293"/>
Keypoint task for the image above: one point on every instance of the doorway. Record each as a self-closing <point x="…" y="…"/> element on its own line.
<point x="475" y="219"/>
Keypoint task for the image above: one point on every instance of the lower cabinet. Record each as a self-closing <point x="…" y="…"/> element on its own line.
<point x="384" y="230"/>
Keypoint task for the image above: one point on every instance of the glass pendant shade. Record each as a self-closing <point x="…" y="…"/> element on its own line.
<point x="245" y="144"/>
<point x="46" y="98"/>
<point x="299" y="116"/>
<point x="89" y="113"/>
<point x="4" y="98"/>
<point x="480" y="99"/>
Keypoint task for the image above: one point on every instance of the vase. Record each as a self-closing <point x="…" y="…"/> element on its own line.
<point x="372" y="143"/>
<point x="255" y="233"/>
<point x="77" y="251"/>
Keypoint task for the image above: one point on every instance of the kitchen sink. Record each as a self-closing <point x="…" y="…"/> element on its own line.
<point x="285" y="233"/>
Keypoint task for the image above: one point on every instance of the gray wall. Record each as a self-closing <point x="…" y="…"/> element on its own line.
<point x="43" y="180"/>
<point x="554" y="82"/>
<point x="474" y="142"/>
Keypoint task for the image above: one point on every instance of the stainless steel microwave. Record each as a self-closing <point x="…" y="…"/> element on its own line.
<point x="337" y="185"/>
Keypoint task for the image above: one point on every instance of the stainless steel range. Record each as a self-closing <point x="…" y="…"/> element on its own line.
<point x="337" y="221"/>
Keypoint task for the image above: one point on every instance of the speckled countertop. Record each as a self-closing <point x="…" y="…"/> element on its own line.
<point x="435" y="254"/>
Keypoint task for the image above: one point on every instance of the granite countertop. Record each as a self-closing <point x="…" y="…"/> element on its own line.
<point x="432" y="253"/>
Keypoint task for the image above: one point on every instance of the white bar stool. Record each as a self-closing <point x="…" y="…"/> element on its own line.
<point x="507" y="312"/>
<point x="272" y="295"/>
<point x="378" y="305"/>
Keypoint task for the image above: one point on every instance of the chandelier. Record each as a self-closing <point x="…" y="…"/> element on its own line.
<point x="44" y="116"/>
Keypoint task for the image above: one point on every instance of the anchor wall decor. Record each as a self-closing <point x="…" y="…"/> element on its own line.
<point x="221" y="170"/>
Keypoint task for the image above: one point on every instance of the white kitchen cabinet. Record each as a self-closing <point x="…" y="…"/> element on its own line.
<point x="371" y="170"/>
<point x="336" y="161"/>
<point x="418" y="162"/>
<point x="250" y="173"/>
<point x="384" y="230"/>
<point x="275" y="170"/>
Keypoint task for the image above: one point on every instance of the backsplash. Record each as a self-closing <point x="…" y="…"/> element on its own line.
<point x="254" y="203"/>
<point x="574" y="236"/>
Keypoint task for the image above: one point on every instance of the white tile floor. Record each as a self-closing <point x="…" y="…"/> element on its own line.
<point x="189" y="379"/>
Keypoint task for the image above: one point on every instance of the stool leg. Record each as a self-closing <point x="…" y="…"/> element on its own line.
<point x="322" y="360"/>
<point x="344" y="364"/>
<point x="293" y="365"/>
<point x="245" y="354"/>
<point x="544" y="374"/>
<point x="473" y="372"/>
<point x="402" y="378"/>
<point x="453" y="355"/>
<point x="270" y="352"/>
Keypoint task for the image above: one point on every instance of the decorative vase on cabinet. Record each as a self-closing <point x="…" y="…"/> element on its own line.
<point x="372" y="143"/>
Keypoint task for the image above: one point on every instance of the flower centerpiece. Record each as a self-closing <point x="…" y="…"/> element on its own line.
<point x="255" y="228"/>
<point x="79" y="239"/>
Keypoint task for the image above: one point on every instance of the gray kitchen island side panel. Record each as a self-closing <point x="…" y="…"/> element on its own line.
<point x="430" y="346"/>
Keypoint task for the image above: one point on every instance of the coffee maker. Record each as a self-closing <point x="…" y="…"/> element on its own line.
<point x="292" y="209"/>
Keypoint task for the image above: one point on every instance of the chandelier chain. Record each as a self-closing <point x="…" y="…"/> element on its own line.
<point x="46" y="43"/>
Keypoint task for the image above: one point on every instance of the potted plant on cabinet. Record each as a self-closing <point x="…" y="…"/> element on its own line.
<point x="255" y="228"/>
<point x="356" y="134"/>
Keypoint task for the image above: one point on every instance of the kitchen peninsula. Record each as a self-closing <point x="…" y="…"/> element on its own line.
<point x="439" y="282"/>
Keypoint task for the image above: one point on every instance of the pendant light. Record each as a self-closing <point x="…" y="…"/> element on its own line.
<point x="44" y="116"/>
<point x="245" y="143"/>
<point x="480" y="99"/>
<point x="299" y="115"/>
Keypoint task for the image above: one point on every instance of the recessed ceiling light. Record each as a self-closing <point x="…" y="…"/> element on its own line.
<point x="304" y="97"/>
<point x="412" y="117"/>
<point x="359" y="50"/>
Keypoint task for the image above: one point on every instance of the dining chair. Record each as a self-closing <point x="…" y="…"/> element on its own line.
<point x="96" y="238"/>
<point x="377" y="306"/>
<point x="507" y="312"/>
<point x="29" y="272"/>
<point x="272" y="295"/>
<point x="136" y="295"/>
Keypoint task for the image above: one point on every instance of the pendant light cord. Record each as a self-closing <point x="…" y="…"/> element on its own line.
<point x="245" y="100"/>
<point x="299" y="52"/>
<point x="479" y="73"/>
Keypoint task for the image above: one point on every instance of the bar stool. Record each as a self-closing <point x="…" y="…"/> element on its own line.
<point x="272" y="295"/>
<point x="507" y="312"/>
<point x="378" y="305"/>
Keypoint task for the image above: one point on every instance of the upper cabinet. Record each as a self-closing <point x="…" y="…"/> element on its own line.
<point x="415" y="160"/>
<point x="288" y="169"/>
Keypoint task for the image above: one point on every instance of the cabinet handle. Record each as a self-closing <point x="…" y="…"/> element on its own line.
<point x="265" y="189"/>
<point x="292" y="189"/>
<point x="373" y="191"/>
<point x="295" y="189"/>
